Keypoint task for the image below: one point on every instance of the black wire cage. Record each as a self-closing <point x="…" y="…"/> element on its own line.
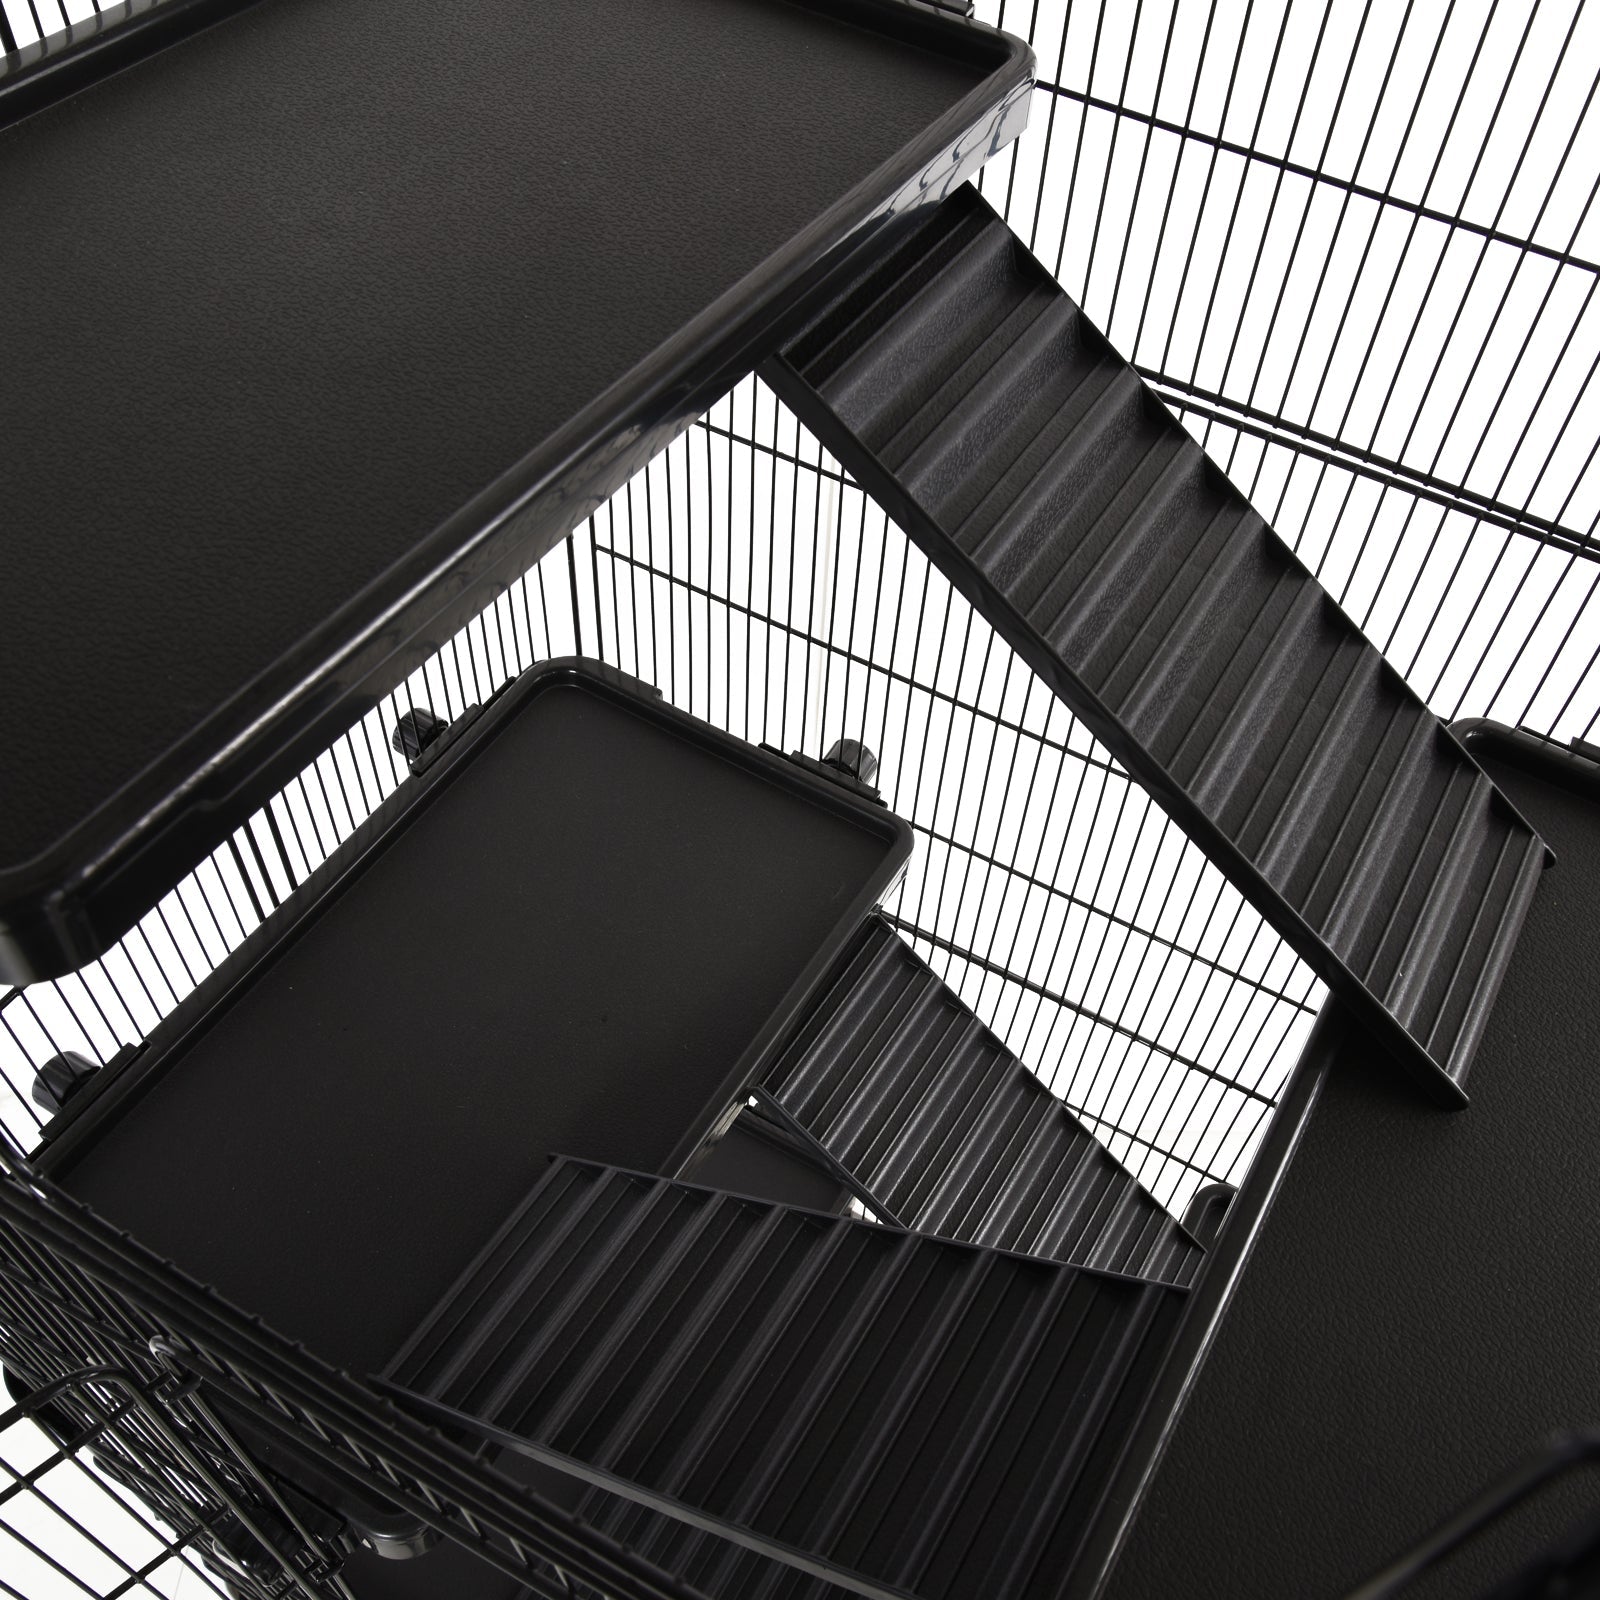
<point x="1353" y="250"/>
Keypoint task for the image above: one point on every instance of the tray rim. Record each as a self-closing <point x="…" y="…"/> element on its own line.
<point x="73" y="900"/>
<point x="1560" y="764"/>
<point x="116" y="1087"/>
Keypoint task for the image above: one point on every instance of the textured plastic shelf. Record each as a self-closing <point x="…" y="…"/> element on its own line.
<point x="902" y="1415"/>
<point x="941" y="1129"/>
<point x="326" y="319"/>
<point x="584" y="927"/>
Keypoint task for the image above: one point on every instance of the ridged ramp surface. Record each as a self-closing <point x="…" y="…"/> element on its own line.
<point x="929" y="1418"/>
<point x="946" y="1132"/>
<point x="975" y="401"/>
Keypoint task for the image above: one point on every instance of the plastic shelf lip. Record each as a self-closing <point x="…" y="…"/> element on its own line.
<point x="1371" y="867"/>
<point x="643" y="904"/>
<point x="111" y="820"/>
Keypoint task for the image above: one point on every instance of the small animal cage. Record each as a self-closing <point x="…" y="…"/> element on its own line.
<point x="1353" y="254"/>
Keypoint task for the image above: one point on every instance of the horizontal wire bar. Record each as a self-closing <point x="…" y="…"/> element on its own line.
<point x="1563" y="258"/>
<point x="1165" y="1153"/>
<point x="688" y="584"/>
<point x="1118" y="921"/>
<point x="911" y="930"/>
<point x="778" y="455"/>
<point x="1112" y="1129"/>
<point x="1336" y="452"/>
<point x="998" y="721"/>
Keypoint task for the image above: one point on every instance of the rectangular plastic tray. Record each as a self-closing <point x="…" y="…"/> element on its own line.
<point x="1419" y="1307"/>
<point x="326" y="319"/>
<point x="582" y="929"/>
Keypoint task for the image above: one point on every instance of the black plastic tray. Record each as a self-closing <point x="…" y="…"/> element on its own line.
<point x="1419" y="1311"/>
<point x="584" y="928"/>
<point x="323" y="321"/>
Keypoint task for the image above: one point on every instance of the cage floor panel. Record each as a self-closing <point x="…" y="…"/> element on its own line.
<point x="950" y="1134"/>
<point x="973" y="398"/>
<point x="931" y="1417"/>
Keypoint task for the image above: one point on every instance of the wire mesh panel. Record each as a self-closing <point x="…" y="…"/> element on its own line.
<point x="1354" y="251"/>
<point x="137" y="1382"/>
<point x="107" y="1489"/>
<point x="1051" y="894"/>
<point x="66" y="1530"/>
<point x="762" y="592"/>
<point x="1354" y="248"/>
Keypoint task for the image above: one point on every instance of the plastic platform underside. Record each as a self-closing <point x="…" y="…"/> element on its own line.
<point x="578" y="943"/>
<point x="1419" y="1312"/>
<point x="317" y="278"/>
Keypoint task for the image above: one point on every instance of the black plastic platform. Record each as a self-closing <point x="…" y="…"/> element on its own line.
<point x="324" y="321"/>
<point x="1419" y="1312"/>
<point x="585" y="927"/>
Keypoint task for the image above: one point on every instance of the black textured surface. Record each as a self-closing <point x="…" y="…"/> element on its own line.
<point x="280" y="300"/>
<point x="750" y="1159"/>
<point x="951" y="1134"/>
<point x="447" y="1572"/>
<point x="571" y="947"/>
<point x="969" y="394"/>
<point x="930" y="1415"/>
<point x="1420" y="1311"/>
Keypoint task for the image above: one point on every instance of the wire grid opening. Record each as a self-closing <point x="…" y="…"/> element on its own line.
<point x="94" y="1503"/>
<point x="66" y="1529"/>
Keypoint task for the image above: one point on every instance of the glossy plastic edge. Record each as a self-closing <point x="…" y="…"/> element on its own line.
<point x="73" y="901"/>
<point x="1544" y="758"/>
<point x="1207" y="1304"/>
<point x="39" y="74"/>
<point x="90" y="1113"/>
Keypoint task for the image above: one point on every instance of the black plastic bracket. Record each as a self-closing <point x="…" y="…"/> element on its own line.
<point x="835" y="772"/>
<point x="414" y="733"/>
<point x="59" y="1079"/>
<point x="1207" y="1211"/>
